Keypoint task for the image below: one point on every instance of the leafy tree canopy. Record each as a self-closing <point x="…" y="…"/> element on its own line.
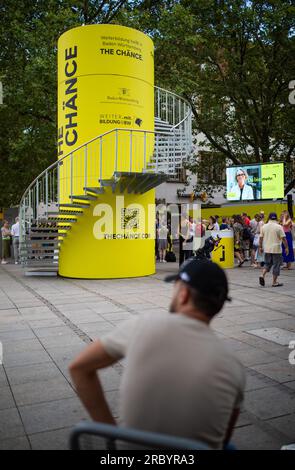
<point x="232" y="59"/>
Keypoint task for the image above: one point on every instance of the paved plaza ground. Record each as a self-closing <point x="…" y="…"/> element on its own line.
<point x="45" y="322"/>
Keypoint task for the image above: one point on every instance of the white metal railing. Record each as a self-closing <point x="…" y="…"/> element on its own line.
<point x="173" y="109"/>
<point x="124" y="150"/>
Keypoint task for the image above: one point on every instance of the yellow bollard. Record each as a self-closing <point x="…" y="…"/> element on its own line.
<point x="223" y="254"/>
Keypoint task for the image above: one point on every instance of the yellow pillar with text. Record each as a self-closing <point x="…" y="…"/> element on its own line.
<point x="106" y="82"/>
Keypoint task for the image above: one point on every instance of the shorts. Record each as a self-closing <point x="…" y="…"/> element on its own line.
<point x="274" y="261"/>
<point x="162" y="244"/>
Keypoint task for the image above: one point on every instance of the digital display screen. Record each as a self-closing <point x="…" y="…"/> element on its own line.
<point x="255" y="182"/>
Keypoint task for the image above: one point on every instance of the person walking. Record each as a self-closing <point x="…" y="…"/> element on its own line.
<point x="259" y="255"/>
<point x="238" y="239"/>
<point x="183" y="236"/>
<point x="255" y="231"/>
<point x="15" y="240"/>
<point x="271" y="238"/>
<point x="287" y="225"/>
<point x="163" y="242"/>
<point x="6" y="234"/>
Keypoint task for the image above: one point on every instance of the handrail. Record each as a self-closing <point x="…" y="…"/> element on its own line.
<point x="170" y="109"/>
<point x="184" y="100"/>
<point x="58" y="162"/>
<point x="173" y="94"/>
<point x="111" y="131"/>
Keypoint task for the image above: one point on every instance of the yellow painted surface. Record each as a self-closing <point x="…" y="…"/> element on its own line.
<point x="101" y="88"/>
<point x="229" y="210"/>
<point x="105" y="81"/>
<point x="83" y="255"/>
<point x="223" y="254"/>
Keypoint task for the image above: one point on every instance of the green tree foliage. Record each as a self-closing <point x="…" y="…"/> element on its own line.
<point x="29" y="30"/>
<point x="233" y="61"/>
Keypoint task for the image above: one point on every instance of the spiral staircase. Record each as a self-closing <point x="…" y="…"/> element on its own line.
<point x="53" y="203"/>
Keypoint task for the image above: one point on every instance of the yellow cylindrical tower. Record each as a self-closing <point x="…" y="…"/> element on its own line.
<point x="105" y="82"/>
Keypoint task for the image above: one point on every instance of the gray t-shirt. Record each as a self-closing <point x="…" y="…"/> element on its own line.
<point x="179" y="378"/>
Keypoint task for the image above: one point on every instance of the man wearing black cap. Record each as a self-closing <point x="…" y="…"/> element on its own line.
<point x="179" y="378"/>
<point x="271" y="238"/>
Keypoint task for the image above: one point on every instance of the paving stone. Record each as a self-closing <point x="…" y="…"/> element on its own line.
<point x="23" y="346"/>
<point x="15" y="443"/>
<point x="52" y="331"/>
<point x="110" y="379"/>
<point x="70" y="339"/>
<point x="286" y="425"/>
<point x="290" y="385"/>
<point x="53" y="415"/>
<point x="10" y="424"/>
<point x="263" y="422"/>
<point x="257" y="317"/>
<point x="3" y="379"/>
<point x="104" y="307"/>
<point x="235" y="345"/>
<point x="50" y="322"/>
<point x="112" y="399"/>
<point x="253" y="356"/>
<point x="281" y="371"/>
<point x="111" y="317"/>
<point x="17" y="335"/>
<point x="66" y="353"/>
<point x="276" y="335"/>
<point x="244" y="419"/>
<point x="253" y="438"/>
<point x="6" y="398"/>
<point x="255" y="381"/>
<point x="25" y="358"/>
<point x="32" y="373"/>
<point x="45" y="391"/>
<point x="270" y="402"/>
<point x="51" y="440"/>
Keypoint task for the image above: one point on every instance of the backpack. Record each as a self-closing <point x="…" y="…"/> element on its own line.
<point x="170" y="257"/>
<point x="247" y="234"/>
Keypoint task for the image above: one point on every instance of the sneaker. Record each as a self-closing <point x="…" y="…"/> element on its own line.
<point x="262" y="281"/>
<point x="16" y="262"/>
<point x="3" y="262"/>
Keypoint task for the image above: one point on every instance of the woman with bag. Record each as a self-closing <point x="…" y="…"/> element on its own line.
<point x="259" y="257"/>
<point x="287" y="225"/>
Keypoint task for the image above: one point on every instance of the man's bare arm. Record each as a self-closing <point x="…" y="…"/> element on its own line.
<point x="84" y="374"/>
<point x="231" y="425"/>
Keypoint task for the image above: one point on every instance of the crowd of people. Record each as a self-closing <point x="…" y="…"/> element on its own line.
<point x="246" y="234"/>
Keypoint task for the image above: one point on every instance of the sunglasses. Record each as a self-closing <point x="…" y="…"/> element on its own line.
<point x="240" y="174"/>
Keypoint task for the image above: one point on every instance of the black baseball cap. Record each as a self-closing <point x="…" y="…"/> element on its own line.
<point x="273" y="216"/>
<point x="205" y="276"/>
